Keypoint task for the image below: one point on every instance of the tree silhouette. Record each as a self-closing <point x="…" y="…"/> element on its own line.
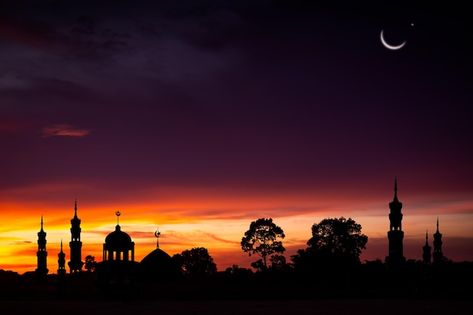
<point x="196" y="261"/>
<point x="278" y="263"/>
<point x="262" y="239"/>
<point x="90" y="263"/>
<point x="334" y="242"/>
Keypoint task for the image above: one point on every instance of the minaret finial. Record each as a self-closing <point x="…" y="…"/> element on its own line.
<point x="41" y="222"/>
<point x="437" y="224"/>
<point x="426" y="237"/>
<point x="75" y="207"/>
<point x="61" y="244"/>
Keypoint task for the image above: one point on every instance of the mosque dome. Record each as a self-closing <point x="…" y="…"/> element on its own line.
<point x="118" y="240"/>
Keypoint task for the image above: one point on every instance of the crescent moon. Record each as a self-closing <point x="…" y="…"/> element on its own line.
<point x="157" y="233"/>
<point x="388" y="46"/>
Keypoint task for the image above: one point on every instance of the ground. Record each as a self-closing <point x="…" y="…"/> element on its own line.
<point x="269" y="307"/>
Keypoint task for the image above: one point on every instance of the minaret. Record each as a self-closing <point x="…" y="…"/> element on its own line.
<point x="42" y="254"/>
<point x="437" y="255"/>
<point x="61" y="263"/>
<point x="395" y="233"/>
<point x="426" y="251"/>
<point x="76" y="263"/>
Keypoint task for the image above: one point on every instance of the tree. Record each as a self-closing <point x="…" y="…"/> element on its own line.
<point x="196" y="261"/>
<point x="262" y="239"/>
<point x="278" y="263"/>
<point x="334" y="242"/>
<point x="90" y="263"/>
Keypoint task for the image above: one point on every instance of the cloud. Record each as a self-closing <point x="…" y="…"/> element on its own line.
<point x="64" y="130"/>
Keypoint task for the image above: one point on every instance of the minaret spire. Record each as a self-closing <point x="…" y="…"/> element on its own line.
<point x="41" y="222"/>
<point x="437" y="224"/>
<point x="395" y="188"/>
<point x="75" y="208"/>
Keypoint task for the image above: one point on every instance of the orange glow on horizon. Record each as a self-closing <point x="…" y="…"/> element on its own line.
<point x="215" y="220"/>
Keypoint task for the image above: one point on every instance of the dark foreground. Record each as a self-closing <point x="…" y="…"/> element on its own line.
<point x="269" y="307"/>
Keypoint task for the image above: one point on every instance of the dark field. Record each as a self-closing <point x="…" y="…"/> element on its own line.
<point x="266" y="307"/>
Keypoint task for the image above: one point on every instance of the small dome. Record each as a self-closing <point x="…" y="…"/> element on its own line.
<point x="155" y="257"/>
<point x="118" y="240"/>
<point x="159" y="264"/>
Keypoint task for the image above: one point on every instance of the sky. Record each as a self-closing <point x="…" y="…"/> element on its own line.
<point x="200" y="117"/>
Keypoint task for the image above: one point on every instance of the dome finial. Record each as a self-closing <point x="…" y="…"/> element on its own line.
<point x="157" y="234"/>
<point x="118" y="214"/>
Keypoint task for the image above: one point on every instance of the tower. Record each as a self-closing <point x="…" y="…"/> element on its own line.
<point x="75" y="245"/>
<point x="61" y="263"/>
<point x="426" y="251"/>
<point x="438" y="254"/>
<point x="395" y="233"/>
<point x="42" y="254"/>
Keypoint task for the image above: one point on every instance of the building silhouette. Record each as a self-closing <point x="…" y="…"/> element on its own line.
<point x="158" y="265"/>
<point x="61" y="263"/>
<point x="118" y="245"/>
<point x="42" y="254"/>
<point x="118" y="266"/>
<point x="395" y="233"/>
<point x="438" y="254"/>
<point x="426" y="251"/>
<point x="75" y="245"/>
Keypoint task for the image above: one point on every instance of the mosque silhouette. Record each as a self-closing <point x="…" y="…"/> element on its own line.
<point x="118" y="263"/>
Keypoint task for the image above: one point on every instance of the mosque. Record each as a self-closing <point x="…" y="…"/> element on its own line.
<point x="119" y="266"/>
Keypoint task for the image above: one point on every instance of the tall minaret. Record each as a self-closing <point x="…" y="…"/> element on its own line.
<point x="76" y="263"/>
<point x="426" y="250"/>
<point x="61" y="263"/>
<point x="438" y="254"/>
<point x="395" y="233"/>
<point x="42" y="254"/>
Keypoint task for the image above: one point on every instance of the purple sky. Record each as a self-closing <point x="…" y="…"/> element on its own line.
<point x="236" y="95"/>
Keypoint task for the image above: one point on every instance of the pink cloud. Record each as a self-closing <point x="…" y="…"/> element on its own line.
<point x="64" y="130"/>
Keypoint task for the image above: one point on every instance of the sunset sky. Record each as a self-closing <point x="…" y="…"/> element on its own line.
<point x="199" y="118"/>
